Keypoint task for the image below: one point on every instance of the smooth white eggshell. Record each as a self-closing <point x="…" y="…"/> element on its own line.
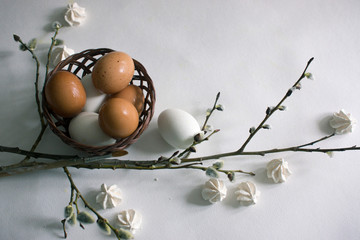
<point x="85" y="129"/>
<point x="178" y="127"/>
<point x="94" y="98"/>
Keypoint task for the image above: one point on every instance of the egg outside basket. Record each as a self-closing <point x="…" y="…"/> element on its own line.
<point x="81" y="64"/>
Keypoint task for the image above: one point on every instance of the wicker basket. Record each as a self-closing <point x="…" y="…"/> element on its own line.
<point x="81" y="64"/>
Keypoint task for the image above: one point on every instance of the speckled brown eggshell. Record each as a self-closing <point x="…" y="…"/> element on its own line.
<point x="65" y="94"/>
<point x="113" y="72"/>
<point x="133" y="94"/>
<point x="118" y="118"/>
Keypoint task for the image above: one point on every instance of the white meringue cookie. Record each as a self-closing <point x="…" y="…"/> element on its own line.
<point x="278" y="170"/>
<point x="247" y="192"/>
<point x="61" y="53"/>
<point x="75" y="15"/>
<point x="130" y="220"/>
<point x="342" y="122"/>
<point x="109" y="197"/>
<point x="214" y="190"/>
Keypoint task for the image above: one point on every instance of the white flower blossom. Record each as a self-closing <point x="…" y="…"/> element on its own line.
<point x="109" y="197"/>
<point x="343" y="122"/>
<point x="75" y="15"/>
<point x="61" y="53"/>
<point x="278" y="170"/>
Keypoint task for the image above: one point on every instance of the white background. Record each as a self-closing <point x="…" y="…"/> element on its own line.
<point x="250" y="51"/>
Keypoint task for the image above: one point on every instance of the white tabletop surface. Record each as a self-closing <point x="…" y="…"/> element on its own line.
<point x="250" y="51"/>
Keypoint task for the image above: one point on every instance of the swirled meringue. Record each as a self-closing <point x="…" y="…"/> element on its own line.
<point x="214" y="190"/>
<point x="342" y="122"/>
<point x="61" y="53"/>
<point x="247" y="192"/>
<point x="109" y="197"/>
<point x="75" y="15"/>
<point x="130" y="220"/>
<point x="278" y="170"/>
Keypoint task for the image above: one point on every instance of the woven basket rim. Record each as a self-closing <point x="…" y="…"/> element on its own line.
<point x="78" y="64"/>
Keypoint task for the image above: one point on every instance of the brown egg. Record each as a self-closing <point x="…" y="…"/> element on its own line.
<point x="65" y="94"/>
<point x="113" y="72"/>
<point x="118" y="118"/>
<point x="133" y="94"/>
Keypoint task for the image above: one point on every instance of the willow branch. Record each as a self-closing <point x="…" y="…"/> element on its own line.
<point x="87" y="205"/>
<point x="211" y="111"/>
<point x="37" y="95"/>
<point x="103" y="162"/>
<point x="270" y="112"/>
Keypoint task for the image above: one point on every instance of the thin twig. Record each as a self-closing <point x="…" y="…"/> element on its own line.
<point x="37" y="92"/>
<point x="271" y="111"/>
<point x="87" y="205"/>
<point x="211" y="111"/>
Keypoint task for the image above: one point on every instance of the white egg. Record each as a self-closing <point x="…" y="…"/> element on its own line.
<point x="94" y="98"/>
<point x="178" y="127"/>
<point x="85" y="129"/>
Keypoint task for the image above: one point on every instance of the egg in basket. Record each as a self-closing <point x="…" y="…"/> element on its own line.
<point x="98" y="101"/>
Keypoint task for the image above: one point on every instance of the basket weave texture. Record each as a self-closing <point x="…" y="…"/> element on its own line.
<point x="81" y="64"/>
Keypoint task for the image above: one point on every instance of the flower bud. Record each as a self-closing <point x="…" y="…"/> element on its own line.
<point x="282" y="108"/>
<point x="175" y="160"/>
<point x="268" y="110"/>
<point x="199" y="137"/>
<point x="211" y="172"/>
<point x="289" y="92"/>
<point x="72" y="219"/>
<point x="32" y="44"/>
<point x="208" y="128"/>
<point x="162" y="158"/>
<point x="124" y="234"/>
<point x="22" y="47"/>
<point x="56" y="25"/>
<point x="85" y="217"/>
<point x="192" y="149"/>
<point x="219" y="107"/>
<point x="252" y="130"/>
<point x="218" y="164"/>
<point x="69" y="210"/>
<point x="102" y="224"/>
<point x="58" y="42"/>
<point x="231" y="176"/>
<point x="16" y="38"/>
<point x="309" y="76"/>
<point x="330" y="154"/>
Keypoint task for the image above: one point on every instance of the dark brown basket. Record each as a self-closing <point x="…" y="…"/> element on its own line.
<point x="81" y="64"/>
